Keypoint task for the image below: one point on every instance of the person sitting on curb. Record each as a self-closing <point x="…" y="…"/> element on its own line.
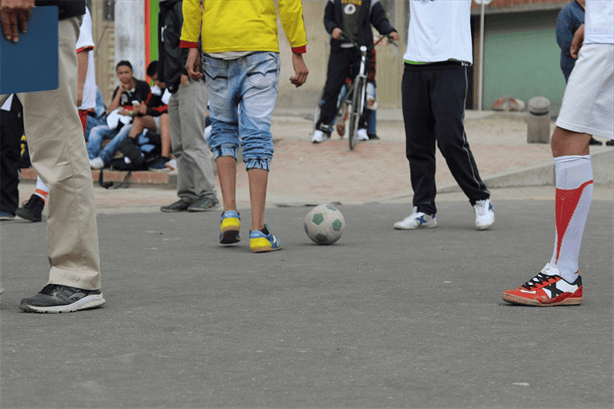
<point x="119" y="119"/>
<point x="153" y="115"/>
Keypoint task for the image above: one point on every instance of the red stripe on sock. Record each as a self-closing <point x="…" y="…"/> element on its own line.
<point x="566" y="203"/>
<point x="43" y="195"/>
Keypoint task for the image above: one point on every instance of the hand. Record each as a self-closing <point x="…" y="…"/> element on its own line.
<point x="124" y="112"/>
<point x="193" y="64"/>
<point x="140" y="108"/>
<point x="300" y="70"/>
<point x="337" y="33"/>
<point x="122" y="88"/>
<point x="395" y="36"/>
<point x="15" y="15"/>
<point x="185" y="80"/>
<point x="577" y="41"/>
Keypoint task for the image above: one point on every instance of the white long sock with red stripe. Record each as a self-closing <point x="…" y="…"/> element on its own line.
<point x="42" y="190"/>
<point x="574" y="192"/>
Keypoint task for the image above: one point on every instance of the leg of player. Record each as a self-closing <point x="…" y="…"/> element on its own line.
<point x="559" y="282"/>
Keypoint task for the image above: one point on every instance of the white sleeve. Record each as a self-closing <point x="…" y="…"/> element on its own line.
<point x="86" y="39"/>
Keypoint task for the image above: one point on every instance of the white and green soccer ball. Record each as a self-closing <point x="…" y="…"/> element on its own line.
<point x="324" y="224"/>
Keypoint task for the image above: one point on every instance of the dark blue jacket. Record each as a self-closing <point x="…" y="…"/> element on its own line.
<point x="372" y="13"/>
<point x="570" y="19"/>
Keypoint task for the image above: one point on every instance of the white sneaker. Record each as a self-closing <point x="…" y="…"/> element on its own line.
<point x="96" y="163"/>
<point x="361" y="135"/>
<point x="318" y="136"/>
<point x="484" y="214"/>
<point x="416" y="220"/>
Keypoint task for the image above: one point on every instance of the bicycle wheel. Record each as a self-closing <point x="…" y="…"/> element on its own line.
<point x="358" y="92"/>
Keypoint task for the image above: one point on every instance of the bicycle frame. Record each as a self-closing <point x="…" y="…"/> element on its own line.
<point x="356" y="95"/>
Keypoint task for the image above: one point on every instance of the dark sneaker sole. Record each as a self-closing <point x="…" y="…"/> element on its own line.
<point x="86" y="303"/>
<point x="514" y="299"/>
<point x="163" y="210"/>
<point x="230" y="236"/>
<point x="27" y="216"/>
<point x="202" y="209"/>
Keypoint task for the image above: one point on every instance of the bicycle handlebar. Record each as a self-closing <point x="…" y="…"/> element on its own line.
<point x="386" y="36"/>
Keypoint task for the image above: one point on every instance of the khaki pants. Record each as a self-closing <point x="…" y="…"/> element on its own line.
<point x="58" y="154"/>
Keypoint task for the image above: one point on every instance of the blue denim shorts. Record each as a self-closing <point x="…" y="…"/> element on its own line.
<point x="242" y="95"/>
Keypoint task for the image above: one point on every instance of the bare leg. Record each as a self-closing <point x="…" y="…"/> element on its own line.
<point x="227" y="171"/>
<point x="165" y="135"/>
<point x="137" y="127"/>
<point x="565" y="143"/>
<point x="258" y="179"/>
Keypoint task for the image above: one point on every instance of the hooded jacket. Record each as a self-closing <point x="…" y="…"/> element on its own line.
<point x="372" y="13"/>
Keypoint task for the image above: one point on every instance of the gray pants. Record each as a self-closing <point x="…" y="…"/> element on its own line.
<point x="187" y="109"/>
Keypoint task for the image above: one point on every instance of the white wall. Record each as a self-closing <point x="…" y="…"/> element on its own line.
<point x="130" y="35"/>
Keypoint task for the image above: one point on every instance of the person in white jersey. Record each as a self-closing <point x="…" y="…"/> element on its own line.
<point x="434" y="93"/>
<point x="32" y="209"/>
<point x="587" y="109"/>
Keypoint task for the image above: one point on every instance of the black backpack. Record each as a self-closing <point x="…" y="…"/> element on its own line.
<point x="142" y="151"/>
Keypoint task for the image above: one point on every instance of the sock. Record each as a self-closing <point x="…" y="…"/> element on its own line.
<point x="574" y="192"/>
<point x="42" y="190"/>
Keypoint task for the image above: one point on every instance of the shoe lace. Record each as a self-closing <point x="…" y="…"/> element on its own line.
<point x="537" y="281"/>
<point x="33" y="203"/>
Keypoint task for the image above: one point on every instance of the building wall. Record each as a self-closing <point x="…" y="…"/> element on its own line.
<point x="103" y="31"/>
<point x="130" y="35"/>
<point x="521" y="57"/>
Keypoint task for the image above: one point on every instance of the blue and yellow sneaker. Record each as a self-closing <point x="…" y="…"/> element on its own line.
<point x="261" y="241"/>
<point x="231" y="226"/>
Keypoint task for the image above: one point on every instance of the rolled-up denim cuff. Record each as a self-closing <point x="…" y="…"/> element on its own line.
<point x="225" y="150"/>
<point x="258" y="163"/>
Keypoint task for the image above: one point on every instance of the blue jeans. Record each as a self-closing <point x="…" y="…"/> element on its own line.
<point x="98" y="134"/>
<point x="369" y="116"/>
<point x="91" y="123"/>
<point x="242" y="95"/>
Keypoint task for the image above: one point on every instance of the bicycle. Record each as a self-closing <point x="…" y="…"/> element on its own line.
<point x="356" y="95"/>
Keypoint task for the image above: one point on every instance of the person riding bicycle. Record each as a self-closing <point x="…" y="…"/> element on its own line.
<point x="368" y="121"/>
<point x="353" y="18"/>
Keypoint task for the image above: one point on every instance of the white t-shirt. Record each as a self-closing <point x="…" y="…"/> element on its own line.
<point x="599" y="20"/>
<point x="439" y="30"/>
<point x="86" y="42"/>
<point x="7" y="104"/>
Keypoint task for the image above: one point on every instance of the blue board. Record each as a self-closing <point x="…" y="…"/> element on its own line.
<point x="31" y="64"/>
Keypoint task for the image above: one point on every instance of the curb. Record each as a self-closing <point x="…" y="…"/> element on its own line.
<point x="543" y="174"/>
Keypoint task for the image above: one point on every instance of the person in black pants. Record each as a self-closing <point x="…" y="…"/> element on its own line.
<point x="353" y="19"/>
<point x="434" y="92"/>
<point x="11" y="130"/>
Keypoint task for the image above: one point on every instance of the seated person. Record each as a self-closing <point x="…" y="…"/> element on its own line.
<point x="119" y="118"/>
<point x="97" y="116"/>
<point x="153" y="115"/>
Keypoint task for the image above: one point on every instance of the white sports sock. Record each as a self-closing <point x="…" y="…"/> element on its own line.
<point x="41" y="189"/>
<point x="574" y="192"/>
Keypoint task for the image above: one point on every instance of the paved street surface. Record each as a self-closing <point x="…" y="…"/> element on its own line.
<point x="381" y="319"/>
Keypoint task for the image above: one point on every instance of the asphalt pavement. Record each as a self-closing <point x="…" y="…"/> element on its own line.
<point x="382" y="318"/>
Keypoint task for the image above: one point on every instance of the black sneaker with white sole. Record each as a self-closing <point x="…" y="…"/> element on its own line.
<point x="56" y="298"/>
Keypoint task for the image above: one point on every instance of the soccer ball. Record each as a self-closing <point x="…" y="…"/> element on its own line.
<point x="324" y="224"/>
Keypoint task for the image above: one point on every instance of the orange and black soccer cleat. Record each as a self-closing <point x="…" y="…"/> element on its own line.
<point x="546" y="291"/>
